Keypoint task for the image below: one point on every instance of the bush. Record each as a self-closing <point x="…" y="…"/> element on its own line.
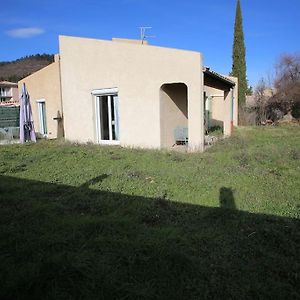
<point x="247" y="116"/>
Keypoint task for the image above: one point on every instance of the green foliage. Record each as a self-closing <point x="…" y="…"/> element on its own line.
<point x="90" y="222"/>
<point x="239" y="56"/>
<point x="249" y="90"/>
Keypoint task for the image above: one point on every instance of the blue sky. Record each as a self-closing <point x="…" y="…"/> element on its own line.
<point x="271" y="27"/>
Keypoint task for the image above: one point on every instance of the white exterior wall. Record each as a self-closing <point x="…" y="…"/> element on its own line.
<point x="138" y="71"/>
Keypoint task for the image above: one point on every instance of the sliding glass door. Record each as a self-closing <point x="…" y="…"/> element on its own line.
<point x="42" y="116"/>
<point x="107" y="119"/>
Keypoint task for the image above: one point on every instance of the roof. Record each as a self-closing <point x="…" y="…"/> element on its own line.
<point x="7" y="83"/>
<point x="218" y="76"/>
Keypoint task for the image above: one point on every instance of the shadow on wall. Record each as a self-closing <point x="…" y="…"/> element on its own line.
<point x="178" y="93"/>
<point x="226" y="198"/>
<point x="65" y="242"/>
<point x="173" y="111"/>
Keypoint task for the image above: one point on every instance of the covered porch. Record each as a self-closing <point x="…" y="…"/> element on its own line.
<point x="220" y="103"/>
<point x="217" y="111"/>
<point x="181" y="117"/>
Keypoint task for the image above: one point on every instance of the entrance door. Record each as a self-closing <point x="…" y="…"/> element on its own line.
<point x="107" y="119"/>
<point x="42" y="116"/>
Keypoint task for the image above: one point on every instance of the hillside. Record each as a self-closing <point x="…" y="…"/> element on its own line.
<point x="22" y="67"/>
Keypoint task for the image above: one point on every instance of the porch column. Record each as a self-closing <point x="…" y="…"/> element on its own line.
<point x="196" y="116"/>
<point x="227" y="112"/>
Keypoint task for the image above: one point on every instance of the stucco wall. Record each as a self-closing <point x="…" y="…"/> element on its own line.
<point x="236" y="100"/>
<point x="216" y="104"/>
<point x="227" y="112"/>
<point x="129" y="41"/>
<point x="45" y="84"/>
<point x="15" y="94"/>
<point x="138" y="72"/>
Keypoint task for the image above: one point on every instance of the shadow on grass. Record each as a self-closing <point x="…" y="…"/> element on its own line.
<point x="226" y="198"/>
<point x="63" y="242"/>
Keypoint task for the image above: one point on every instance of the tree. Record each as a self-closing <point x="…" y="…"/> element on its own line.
<point x="239" y="56"/>
<point x="261" y="100"/>
<point x="287" y="85"/>
<point x="249" y="91"/>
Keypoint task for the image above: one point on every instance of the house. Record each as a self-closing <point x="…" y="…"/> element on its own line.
<point x="8" y="93"/>
<point x="44" y="88"/>
<point x="131" y="94"/>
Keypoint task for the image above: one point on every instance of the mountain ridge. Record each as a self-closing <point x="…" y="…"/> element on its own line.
<point x="17" y="69"/>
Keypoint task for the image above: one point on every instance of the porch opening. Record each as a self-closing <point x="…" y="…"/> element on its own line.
<point x="213" y="124"/>
<point x="173" y="114"/>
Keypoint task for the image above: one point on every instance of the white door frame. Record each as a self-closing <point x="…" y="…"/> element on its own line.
<point x="42" y="116"/>
<point x="111" y="94"/>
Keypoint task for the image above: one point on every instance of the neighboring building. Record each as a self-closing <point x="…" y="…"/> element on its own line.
<point x="9" y="93"/>
<point x="123" y="92"/>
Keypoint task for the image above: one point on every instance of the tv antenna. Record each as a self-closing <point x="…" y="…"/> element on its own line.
<point x="143" y="33"/>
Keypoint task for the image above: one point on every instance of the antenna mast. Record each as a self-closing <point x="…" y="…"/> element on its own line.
<point x="143" y="33"/>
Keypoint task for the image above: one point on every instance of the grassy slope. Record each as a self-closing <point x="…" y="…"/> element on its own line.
<point x="96" y="222"/>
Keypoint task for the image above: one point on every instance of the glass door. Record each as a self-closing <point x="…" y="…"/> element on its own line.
<point x="42" y="117"/>
<point x="107" y="119"/>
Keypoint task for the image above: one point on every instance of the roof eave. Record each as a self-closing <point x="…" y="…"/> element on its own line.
<point x="215" y="75"/>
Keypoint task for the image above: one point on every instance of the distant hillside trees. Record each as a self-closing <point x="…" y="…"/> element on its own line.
<point x="15" y="70"/>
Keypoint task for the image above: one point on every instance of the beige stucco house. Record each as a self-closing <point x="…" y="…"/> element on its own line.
<point x="128" y="93"/>
<point x="44" y="88"/>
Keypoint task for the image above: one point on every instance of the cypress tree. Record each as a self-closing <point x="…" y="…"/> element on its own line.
<point x="238" y="55"/>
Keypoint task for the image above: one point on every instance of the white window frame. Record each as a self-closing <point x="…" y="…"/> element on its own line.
<point x="42" y="129"/>
<point x="110" y="92"/>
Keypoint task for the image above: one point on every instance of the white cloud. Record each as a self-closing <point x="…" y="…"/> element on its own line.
<point x="24" y="33"/>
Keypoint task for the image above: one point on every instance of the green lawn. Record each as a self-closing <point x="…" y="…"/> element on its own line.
<point x="89" y="222"/>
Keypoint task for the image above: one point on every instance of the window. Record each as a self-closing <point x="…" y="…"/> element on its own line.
<point x="2" y="91"/>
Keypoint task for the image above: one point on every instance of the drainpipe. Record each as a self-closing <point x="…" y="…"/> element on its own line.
<point x="232" y="108"/>
<point x="61" y="98"/>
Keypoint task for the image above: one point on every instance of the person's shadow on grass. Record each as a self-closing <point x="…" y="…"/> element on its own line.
<point x="93" y="181"/>
<point x="226" y="198"/>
